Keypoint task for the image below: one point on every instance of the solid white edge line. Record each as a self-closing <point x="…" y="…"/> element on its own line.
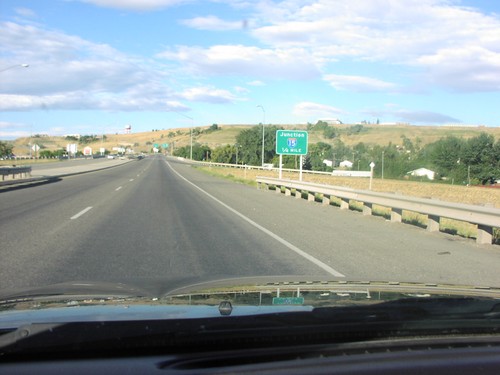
<point x="81" y="213"/>
<point x="292" y="247"/>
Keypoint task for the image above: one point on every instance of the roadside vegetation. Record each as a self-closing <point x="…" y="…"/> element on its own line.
<point x="454" y="160"/>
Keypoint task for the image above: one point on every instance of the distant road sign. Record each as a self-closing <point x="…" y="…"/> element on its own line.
<point x="288" y="300"/>
<point x="291" y="142"/>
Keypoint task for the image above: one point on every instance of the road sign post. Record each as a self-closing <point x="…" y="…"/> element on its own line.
<point x="291" y="142"/>
<point x="372" y="165"/>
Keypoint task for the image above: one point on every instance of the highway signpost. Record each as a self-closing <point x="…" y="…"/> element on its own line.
<point x="291" y="142"/>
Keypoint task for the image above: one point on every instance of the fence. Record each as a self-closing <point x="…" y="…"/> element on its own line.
<point x="337" y="172"/>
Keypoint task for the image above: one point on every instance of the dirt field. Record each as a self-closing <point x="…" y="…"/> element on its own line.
<point x="451" y="193"/>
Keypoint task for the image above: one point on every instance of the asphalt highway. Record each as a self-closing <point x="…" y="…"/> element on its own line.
<point x="161" y="219"/>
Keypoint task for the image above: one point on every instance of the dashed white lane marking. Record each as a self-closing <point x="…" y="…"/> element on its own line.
<point x="118" y="188"/>
<point x="292" y="247"/>
<point x="131" y="180"/>
<point x="81" y="213"/>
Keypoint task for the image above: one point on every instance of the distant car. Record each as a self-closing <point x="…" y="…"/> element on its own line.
<point x="111" y="156"/>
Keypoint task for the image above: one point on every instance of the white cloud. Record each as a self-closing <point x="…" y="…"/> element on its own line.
<point x="68" y="72"/>
<point x="414" y="116"/>
<point x="256" y="83"/>
<point x="358" y="83"/>
<point x="467" y="69"/>
<point x="427" y="34"/>
<point x="241" y="90"/>
<point x="135" y="5"/>
<point x="315" y="110"/>
<point x="80" y="100"/>
<point x="25" y="12"/>
<point x="11" y="130"/>
<point x="208" y="94"/>
<point x="246" y="61"/>
<point x="213" y="23"/>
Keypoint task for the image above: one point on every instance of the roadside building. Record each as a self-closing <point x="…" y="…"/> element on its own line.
<point x="421" y="172"/>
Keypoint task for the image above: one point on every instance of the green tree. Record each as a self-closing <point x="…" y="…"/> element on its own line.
<point x="200" y="152"/>
<point x="340" y="151"/>
<point x="251" y="144"/>
<point x="317" y="153"/>
<point x="329" y="132"/>
<point x="355" y="129"/>
<point x="482" y="156"/>
<point x="446" y="156"/>
<point x="5" y="148"/>
<point x="224" y="154"/>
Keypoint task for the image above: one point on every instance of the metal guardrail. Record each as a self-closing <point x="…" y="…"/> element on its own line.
<point x="269" y="167"/>
<point x="486" y="218"/>
<point x="13" y="173"/>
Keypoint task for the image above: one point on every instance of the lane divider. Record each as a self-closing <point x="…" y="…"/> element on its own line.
<point x="292" y="247"/>
<point x="82" y="212"/>
<point x="118" y="188"/>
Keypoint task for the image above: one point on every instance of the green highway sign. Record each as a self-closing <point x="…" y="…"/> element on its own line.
<point x="288" y="300"/>
<point x="165" y="145"/>
<point x="291" y="142"/>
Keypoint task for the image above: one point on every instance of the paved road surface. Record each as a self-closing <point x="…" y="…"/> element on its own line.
<point x="164" y="220"/>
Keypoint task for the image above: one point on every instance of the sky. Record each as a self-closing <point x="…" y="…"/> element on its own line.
<point x="96" y="66"/>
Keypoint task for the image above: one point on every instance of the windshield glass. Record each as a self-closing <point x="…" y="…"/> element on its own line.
<point x="150" y="147"/>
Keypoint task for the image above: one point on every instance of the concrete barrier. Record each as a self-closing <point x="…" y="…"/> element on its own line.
<point x="486" y="218"/>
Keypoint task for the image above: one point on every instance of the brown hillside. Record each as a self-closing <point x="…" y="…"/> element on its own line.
<point x="371" y="134"/>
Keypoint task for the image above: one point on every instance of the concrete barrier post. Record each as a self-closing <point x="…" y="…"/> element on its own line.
<point x="484" y="235"/>
<point x="433" y="223"/>
<point x="326" y="200"/>
<point x="367" y="209"/>
<point x="344" y="203"/>
<point x="396" y="215"/>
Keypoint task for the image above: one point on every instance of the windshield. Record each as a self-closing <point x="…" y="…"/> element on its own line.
<point x="152" y="146"/>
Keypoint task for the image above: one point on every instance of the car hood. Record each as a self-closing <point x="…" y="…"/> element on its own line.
<point x="84" y="300"/>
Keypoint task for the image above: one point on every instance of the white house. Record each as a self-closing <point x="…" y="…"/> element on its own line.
<point x="345" y="164"/>
<point x="421" y="172"/>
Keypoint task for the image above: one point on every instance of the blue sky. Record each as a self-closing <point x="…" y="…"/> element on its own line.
<point x="98" y="65"/>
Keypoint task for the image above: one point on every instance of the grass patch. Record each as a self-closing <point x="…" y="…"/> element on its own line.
<point x="459" y="228"/>
<point x="414" y="218"/>
<point x="381" y="211"/>
<point x="216" y="172"/>
<point x="18" y="162"/>
<point x="356" y="206"/>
